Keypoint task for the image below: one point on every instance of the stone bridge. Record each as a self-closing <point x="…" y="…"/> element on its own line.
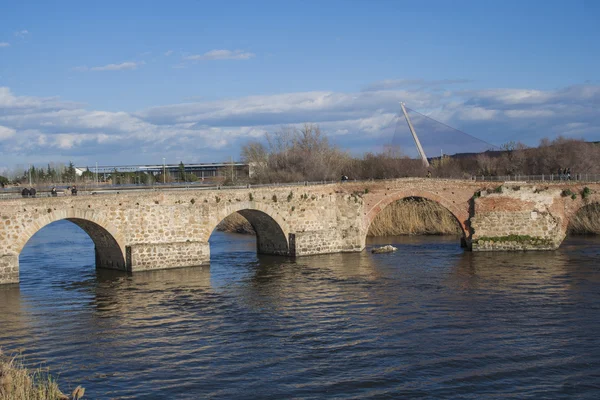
<point x="151" y="229"/>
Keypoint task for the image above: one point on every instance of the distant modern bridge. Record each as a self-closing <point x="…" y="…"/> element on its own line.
<point x="143" y="230"/>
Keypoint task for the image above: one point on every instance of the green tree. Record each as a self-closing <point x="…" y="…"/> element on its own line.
<point x="87" y="175"/>
<point x="70" y="174"/>
<point x="182" y="177"/>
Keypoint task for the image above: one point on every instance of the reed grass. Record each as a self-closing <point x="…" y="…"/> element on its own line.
<point x="586" y="221"/>
<point x="235" y="223"/>
<point x="17" y="382"/>
<point x="414" y="216"/>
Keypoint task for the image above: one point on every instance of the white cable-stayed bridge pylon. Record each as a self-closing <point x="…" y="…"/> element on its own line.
<point x="419" y="136"/>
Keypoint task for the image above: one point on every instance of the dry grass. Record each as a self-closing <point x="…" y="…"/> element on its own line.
<point x="235" y="223"/>
<point x="586" y="221"/>
<point x="414" y="216"/>
<point x="20" y="383"/>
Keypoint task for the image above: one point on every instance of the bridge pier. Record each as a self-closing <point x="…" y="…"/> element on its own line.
<point x="9" y="269"/>
<point x="148" y="256"/>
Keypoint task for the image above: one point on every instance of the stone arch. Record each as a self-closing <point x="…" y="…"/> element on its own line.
<point x="108" y="242"/>
<point x="272" y="231"/>
<point x="461" y="215"/>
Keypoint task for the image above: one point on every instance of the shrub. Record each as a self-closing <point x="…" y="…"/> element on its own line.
<point x="586" y="192"/>
<point x="566" y="193"/>
<point x="275" y="198"/>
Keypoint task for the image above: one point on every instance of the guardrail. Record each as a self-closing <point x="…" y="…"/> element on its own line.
<point x="540" y="178"/>
<point x="15" y="193"/>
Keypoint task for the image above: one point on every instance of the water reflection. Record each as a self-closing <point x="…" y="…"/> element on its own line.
<point x="427" y="321"/>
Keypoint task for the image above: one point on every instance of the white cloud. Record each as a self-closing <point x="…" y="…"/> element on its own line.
<point x="168" y="52"/>
<point x="220" y="55"/>
<point x="22" y="33"/>
<point x="129" y="65"/>
<point x="4" y="44"/>
<point x="400" y="83"/>
<point x="52" y="129"/>
<point x="6" y="133"/>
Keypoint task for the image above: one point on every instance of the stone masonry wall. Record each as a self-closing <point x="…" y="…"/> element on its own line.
<point x="164" y="229"/>
<point x="518" y="218"/>
<point x="142" y="257"/>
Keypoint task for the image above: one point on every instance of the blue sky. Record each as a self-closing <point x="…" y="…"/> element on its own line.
<point x="134" y="81"/>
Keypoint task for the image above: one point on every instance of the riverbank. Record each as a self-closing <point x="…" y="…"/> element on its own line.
<point x="20" y="383"/>
<point x="416" y="216"/>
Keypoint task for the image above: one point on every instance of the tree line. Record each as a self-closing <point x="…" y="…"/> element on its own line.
<point x="58" y="173"/>
<point x="293" y="154"/>
<point x="305" y="154"/>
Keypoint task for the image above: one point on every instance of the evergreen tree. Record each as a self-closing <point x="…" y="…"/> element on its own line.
<point x="182" y="172"/>
<point x="70" y="174"/>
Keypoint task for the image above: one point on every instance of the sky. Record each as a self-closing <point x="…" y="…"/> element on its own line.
<point x="133" y="82"/>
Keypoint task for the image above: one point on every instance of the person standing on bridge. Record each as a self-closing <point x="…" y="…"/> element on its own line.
<point x="53" y="192"/>
<point x="74" y="191"/>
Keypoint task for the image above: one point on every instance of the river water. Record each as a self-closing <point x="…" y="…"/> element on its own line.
<point x="429" y="321"/>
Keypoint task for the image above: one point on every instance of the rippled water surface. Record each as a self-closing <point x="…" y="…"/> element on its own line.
<point x="429" y="321"/>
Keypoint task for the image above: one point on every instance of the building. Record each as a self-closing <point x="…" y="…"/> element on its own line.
<point x="206" y="172"/>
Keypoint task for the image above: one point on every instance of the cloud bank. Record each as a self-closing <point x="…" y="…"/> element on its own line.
<point x="220" y="55"/>
<point x="38" y="130"/>
<point x="128" y="65"/>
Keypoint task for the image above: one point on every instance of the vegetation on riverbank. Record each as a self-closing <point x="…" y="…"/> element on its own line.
<point x="304" y="154"/>
<point x="18" y="382"/>
<point x="586" y="221"/>
<point x="414" y="216"/>
<point x="235" y="223"/>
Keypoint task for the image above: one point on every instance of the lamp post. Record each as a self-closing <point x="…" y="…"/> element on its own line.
<point x="164" y="171"/>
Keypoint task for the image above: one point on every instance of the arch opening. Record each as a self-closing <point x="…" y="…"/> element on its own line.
<point x="270" y="237"/>
<point x="107" y="251"/>
<point x="413" y="216"/>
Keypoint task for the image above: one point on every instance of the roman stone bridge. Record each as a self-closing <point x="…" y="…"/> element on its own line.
<point x="151" y="229"/>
